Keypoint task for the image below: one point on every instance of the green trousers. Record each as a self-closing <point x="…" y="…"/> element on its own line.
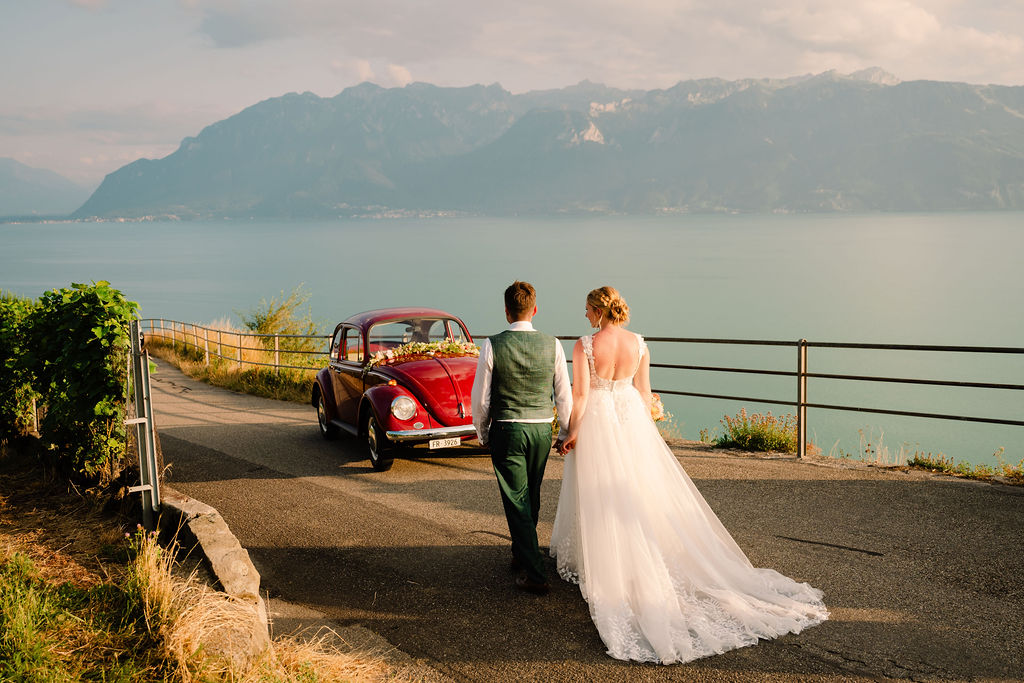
<point x="519" y="453"/>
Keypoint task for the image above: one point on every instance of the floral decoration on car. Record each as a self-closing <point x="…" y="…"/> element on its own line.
<point x="658" y="412"/>
<point x="422" y="351"/>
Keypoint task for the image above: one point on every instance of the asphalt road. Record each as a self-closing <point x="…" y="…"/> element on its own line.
<point x="924" y="576"/>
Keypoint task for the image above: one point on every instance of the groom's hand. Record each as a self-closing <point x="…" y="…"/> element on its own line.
<point x="559" y="445"/>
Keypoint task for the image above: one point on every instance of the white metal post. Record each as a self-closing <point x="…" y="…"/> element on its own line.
<point x="801" y="399"/>
<point x="145" y="439"/>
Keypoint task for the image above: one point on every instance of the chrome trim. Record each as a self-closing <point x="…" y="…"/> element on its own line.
<point x="434" y="433"/>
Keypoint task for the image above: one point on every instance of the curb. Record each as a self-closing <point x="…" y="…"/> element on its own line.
<point x="196" y="525"/>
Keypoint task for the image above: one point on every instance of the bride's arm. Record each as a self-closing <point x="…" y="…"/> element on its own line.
<point x="580" y="390"/>
<point x="642" y="379"/>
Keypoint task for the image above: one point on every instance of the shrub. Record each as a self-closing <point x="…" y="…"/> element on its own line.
<point x="78" y="353"/>
<point x="759" y="432"/>
<point x="289" y="316"/>
<point x="16" y="392"/>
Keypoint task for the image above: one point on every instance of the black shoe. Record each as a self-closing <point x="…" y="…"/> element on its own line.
<point x="525" y="583"/>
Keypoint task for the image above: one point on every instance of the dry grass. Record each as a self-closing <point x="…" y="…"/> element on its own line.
<point x="190" y="350"/>
<point x="80" y="601"/>
<point x="293" y="660"/>
<point x="206" y="634"/>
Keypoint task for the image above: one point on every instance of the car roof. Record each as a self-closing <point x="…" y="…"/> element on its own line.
<point x="384" y="314"/>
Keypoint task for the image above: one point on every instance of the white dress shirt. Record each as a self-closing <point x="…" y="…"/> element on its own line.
<point x="481" y="396"/>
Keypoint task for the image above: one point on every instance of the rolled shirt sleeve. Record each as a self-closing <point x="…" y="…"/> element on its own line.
<point x="563" y="391"/>
<point x="481" y="394"/>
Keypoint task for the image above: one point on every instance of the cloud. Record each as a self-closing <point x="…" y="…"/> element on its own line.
<point x="142" y="124"/>
<point x="89" y="4"/>
<point x="238" y="29"/>
<point x="359" y="70"/>
<point x="644" y="43"/>
<point x="400" y="76"/>
<point x="364" y="70"/>
<point x="917" y="39"/>
<point x="854" y="27"/>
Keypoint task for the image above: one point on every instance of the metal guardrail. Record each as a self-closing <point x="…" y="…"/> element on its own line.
<point x="199" y="337"/>
<point x="203" y="338"/>
<point x="801" y="375"/>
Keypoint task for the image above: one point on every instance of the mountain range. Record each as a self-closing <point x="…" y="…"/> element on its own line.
<point x="28" y="191"/>
<point x="828" y="142"/>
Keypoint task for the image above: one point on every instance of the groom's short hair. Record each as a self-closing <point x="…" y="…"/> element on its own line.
<point x="520" y="298"/>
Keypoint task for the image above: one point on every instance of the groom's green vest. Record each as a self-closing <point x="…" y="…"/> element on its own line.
<point x="523" y="375"/>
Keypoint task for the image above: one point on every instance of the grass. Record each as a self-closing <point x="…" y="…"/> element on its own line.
<point x="756" y="432"/>
<point x="82" y="600"/>
<point x="1012" y="474"/>
<point x="188" y="354"/>
<point x="874" y="451"/>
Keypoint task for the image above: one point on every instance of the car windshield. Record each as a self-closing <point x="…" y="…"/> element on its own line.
<point x="388" y="335"/>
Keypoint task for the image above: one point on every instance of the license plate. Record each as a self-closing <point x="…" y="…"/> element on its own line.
<point x="445" y="443"/>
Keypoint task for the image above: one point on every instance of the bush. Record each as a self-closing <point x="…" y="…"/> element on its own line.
<point x="759" y="432"/>
<point x="289" y="316"/>
<point x="78" y="353"/>
<point x="16" y="392"/>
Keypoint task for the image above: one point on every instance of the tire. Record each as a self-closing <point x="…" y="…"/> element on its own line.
<point x="327" y="430"/>
<point x="381" y="450"/>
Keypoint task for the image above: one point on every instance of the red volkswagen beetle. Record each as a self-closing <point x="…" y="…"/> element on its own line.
<point x="398" y="376"/>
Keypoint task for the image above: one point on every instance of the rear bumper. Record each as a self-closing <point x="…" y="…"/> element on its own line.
<point x="407" y="435"/>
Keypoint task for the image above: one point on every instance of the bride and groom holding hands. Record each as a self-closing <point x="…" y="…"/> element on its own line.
<point x="664" y="580"/>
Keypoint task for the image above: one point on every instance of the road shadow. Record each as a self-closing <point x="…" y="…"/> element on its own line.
<point x="456" y="606"/>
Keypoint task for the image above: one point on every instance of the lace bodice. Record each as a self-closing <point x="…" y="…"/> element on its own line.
<point x="600" y="383"/>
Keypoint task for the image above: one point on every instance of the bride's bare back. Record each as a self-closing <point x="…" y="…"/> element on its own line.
<point x="616" y="353"/>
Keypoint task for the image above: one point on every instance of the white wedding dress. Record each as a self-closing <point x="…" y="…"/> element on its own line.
<point x="664" y="580"/>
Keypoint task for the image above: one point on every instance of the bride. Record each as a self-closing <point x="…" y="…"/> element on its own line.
<point x="664" y="580"/>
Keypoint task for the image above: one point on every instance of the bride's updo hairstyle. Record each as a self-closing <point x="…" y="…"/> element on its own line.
<point x="610" y="303"/>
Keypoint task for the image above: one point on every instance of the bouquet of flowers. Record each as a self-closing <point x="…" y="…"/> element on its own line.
<point x="658" y="412"/>
<point x="423" y="350"/>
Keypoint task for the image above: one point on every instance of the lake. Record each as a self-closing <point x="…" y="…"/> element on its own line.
<point x="947" y="279"/>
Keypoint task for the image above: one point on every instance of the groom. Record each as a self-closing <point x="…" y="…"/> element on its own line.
<point x="512" y="412"/>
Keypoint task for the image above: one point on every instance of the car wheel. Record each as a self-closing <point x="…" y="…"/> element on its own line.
<point x="381" y="456"/>
<point x="327" y="430"/>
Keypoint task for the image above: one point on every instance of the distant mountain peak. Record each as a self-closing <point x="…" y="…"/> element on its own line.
<point x="875" y="75"/>
<point x="862" y="141"/>
<point x="26" y="190"/>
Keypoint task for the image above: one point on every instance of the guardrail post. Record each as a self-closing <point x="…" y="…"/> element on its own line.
<point x="277" y="355"/>
<point x="238" y="351"/>
<point x="149" y="475"/>
<point x="206" y="347"/>
<point x="801" y="398"/>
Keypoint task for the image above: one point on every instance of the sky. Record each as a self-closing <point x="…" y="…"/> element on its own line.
<point x="88" y="86"/>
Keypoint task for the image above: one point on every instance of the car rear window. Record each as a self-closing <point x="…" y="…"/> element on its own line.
<point x="388" y="335"/>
